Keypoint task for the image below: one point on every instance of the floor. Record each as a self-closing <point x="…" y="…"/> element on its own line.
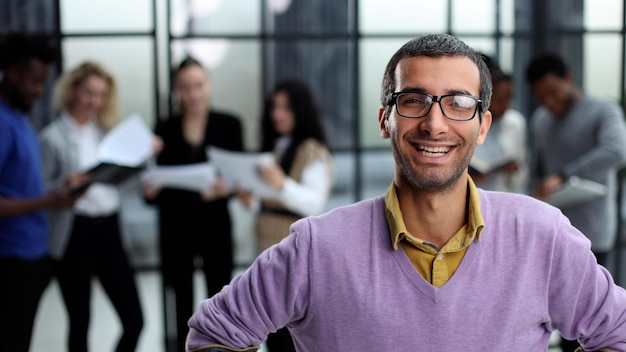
<point x="51" y="324"/>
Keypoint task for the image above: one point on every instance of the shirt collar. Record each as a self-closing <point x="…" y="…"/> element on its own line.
<point x="395" y="220"/>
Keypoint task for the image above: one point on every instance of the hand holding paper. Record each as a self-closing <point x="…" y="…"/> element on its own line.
<point x="121" y="153"/>
<point x="239" y="170"/>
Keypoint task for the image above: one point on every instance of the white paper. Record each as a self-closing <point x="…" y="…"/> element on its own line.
<point x="130" y="143"/>
<point x="239" y="170"/>
<point x="575" y="191"/>
<point x="192" y="177"/>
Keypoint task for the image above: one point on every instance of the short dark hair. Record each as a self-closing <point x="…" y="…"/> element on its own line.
<point x="437" y="45"/>
<point x="19" y="48"/>
<point x="544" y="64"/>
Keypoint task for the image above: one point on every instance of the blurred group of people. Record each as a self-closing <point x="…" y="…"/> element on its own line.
<point x="51" y="227"/>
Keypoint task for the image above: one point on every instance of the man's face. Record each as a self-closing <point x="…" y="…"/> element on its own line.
<point x="554" y="92"/>
<point x="432" y="152"/>
<point x="29" y="83"/>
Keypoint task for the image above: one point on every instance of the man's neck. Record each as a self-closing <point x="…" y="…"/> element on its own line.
<point x="434" y="216"/>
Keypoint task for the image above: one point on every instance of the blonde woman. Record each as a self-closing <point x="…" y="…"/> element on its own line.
<point x="86" y="240"/>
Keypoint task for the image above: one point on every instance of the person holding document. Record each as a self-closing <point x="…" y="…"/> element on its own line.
<point x="87" y="240"/>
<point x="505" y="149"/>
<point x="574" y="133"/>
<point x="193" y="224"/>
<point x="302" y="173"/>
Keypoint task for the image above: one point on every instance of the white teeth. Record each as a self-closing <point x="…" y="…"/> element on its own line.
<point x="433" y="149"/>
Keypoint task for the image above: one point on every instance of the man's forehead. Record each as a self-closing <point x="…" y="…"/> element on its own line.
<point x="457" y="71"/>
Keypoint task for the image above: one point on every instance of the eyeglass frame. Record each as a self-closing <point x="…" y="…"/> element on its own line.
<point x="392" y="99"/>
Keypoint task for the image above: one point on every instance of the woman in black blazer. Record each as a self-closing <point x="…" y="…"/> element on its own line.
<point x="194" y="225"/>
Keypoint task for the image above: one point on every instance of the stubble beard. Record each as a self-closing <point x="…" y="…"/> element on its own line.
<point x="432" y="181"/>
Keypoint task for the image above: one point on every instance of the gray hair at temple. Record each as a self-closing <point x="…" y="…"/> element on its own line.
<point x="437" y="45"/>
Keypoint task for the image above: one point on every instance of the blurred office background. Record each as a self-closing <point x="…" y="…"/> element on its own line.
<point x="339" y="46"/>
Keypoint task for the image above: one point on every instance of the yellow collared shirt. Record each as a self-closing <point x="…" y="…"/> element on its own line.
<point x="436" y="265"/>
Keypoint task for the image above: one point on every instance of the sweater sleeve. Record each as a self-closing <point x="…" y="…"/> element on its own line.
<point x="272" y="293"/>
<point x="585" y="303"/>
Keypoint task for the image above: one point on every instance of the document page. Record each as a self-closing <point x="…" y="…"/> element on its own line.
<point x="239" y="170"/>
<point x="192" y="177"/>
<point x="129" y="143"/>
<point x="121" y="153"/>
<point x="575" y="191"/>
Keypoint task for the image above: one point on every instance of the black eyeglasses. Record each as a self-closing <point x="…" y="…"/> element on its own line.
<point x="457" y="107"/>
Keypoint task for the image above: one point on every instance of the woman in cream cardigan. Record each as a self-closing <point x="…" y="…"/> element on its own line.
<point x="302" y="172"/>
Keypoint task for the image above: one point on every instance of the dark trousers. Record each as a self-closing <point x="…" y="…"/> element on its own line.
<point x="184" y="245"/>
<point x="572" y="345"/>
<point x="22" y="283"/>
<point x="280" y="341"/>
<point x="95" y="249"/>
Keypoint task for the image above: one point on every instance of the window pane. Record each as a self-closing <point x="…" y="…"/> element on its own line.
<point x="507" y="55"/>
<point x="131" y="61"/>
<point x="309" y="17"/>
<point x="235" y="70"/>
<point x="603" y="14"/>
<point x="343" y="185"/>
<point x="215" y="17"/>
<point x="377" y="169"/>
<point x="106" y="16"/>
<point x="476" y="16"/>
<point x="402" y="16"/>
<point x="373" y="57"/>
<point x="507" y="16"/>
<point x="483" y="45"/>
<point x="325" y="66"/>
<point x="601" y="64"/>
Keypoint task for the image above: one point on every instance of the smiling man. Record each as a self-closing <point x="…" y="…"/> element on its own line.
<point x="435" y="263"/>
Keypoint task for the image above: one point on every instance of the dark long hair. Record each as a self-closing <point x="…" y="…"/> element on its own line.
<point x="308" y="123"/>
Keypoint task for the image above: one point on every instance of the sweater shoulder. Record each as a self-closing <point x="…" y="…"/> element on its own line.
<point x="521" y="205"/>
<point x="348" y="221"/>
<point x="522" y="216"/>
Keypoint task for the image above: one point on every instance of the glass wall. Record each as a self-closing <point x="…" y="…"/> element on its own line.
<point x="340" y="47"/>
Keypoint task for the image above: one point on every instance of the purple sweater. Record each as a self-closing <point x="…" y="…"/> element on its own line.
<point x="338" y="285"/>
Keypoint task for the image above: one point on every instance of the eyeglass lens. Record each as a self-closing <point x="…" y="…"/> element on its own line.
<point x="457" y="107"/>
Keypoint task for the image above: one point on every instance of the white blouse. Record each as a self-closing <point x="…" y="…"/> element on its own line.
<point x="99" y="199"/>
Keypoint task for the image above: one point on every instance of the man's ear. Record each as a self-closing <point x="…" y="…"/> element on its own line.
<point x="383" y="123"/>
<point x="484" y="127"/>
